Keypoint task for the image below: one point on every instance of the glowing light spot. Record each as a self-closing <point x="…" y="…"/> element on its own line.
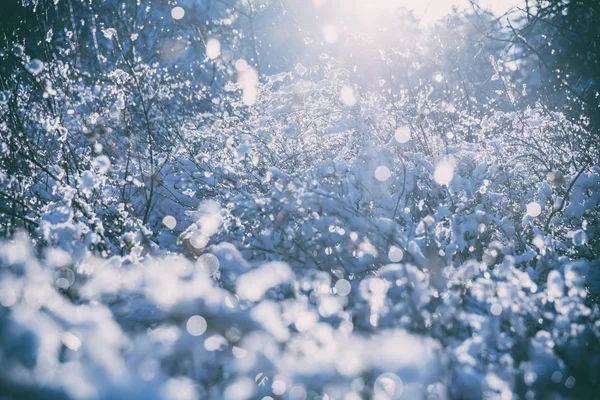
<point x="402" y="134"/>
<point x="305" y="321"/>
<point x="496" y="309"/>
<point x="348" y="96"/>
<point x="170" y="222"/>
<point x="349" y="363"/>
<point x="444" y="172"/>
<point x="343" y="287"/>
<point x="395" y="254"/>
<point x="238" y="352"/>
<point x="34" y="66"/>
<point x="233" y="334"/>
<point x="538" y="242"/>
<point x="382" y="173"/>
<point x="8" y="297"/>
<point x="241" y="65"/>
<point x="101" y="164"/>
<point x="249" y="96"/>
<point x="213" y="48"/>
<point x="64" y="278"/>
<point x="298" y="393"/>
<point x="388" y="386"/>
<point x="330" y="33"/>
<point x="62" y="283"/>
<point x="148" y="369"/>
<point x="231" y="302"/>
<point x="438" y="78"/>
<point x="557" y="376"/>
<point x="177" y="12"/>
<point x="530" y="378"/>
<point x="534" y="209"/>
<point x="377" y="286"/>
<point x="579" y="237"/>
<point x="241" y="389"/>
<point x="70" y="341"/>
<point x="196" y="325"/>
<point x="207" y="264"/>
<point x="278" y="387"/>
<point x="248" y="81"/>
<point x="199" y="240"/>
<point x="374" y="319"/>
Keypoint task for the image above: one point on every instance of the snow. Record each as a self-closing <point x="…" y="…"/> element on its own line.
<point x="254" y="284"/>
<point x="555" y="285"/>
<point x="88" y="181"/>
<point x="245" y="201"/>
<point x="109" y="33"/>
<point x="300" y="69"/>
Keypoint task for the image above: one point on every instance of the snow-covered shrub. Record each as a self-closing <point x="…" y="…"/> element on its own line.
<point x="167" y="327"/>
<point x="208" y="220"/>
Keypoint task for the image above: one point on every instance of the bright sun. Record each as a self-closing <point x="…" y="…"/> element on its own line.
<point x="426" y="10"/>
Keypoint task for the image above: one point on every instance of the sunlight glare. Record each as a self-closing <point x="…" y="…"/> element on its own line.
<point x="330" y="33"/>
<point x="427" y="11"/>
